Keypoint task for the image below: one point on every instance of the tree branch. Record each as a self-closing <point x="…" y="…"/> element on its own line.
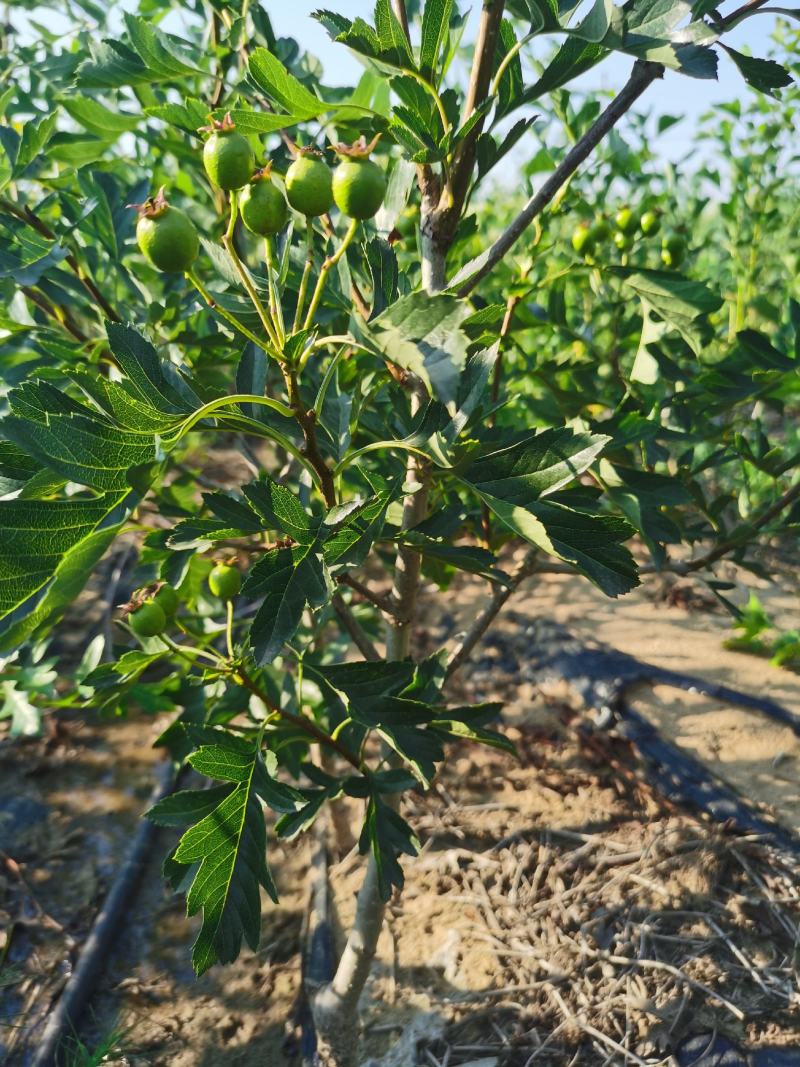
<point x="402" y="17"/>
<point x="485" y="619"/>
<point x="351" y="624"/>
<point x="642" y="76"/>
<point x="745" y="531"/>
<point x="479" y="81"/>
<point x="306" y="725"/>
<point x="26" y="215"/>
<point x="382" y="603"/>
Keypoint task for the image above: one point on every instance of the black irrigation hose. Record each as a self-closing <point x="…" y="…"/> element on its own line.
<point x="686" y="781"/>
<point x="603" y="676"/>
<point x="72" y="1003"/>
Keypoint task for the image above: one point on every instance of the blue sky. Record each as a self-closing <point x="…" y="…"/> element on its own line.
<point x="677" y="94"/>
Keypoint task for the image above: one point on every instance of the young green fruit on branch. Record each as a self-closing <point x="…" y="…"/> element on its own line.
<point x="227" y="155"/>
<point x="165" y="235"/>
<point x="582" y="240"/>
<point x="148" y="620"/>
<point x="167" y="599"/>
<point x="650" y="223"/>
<point x="600" y="231"/>
<point x="359" y="185"/>
<point x="225" y="581"/>
<point x="309" y="184"/>
<point x="262" y="205"/>
<point x="673" y="249"/>
<point x="626" y="221"/>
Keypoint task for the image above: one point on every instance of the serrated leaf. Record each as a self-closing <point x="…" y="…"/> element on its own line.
<point x="763" y="74"/>
<point x="188" y="116"/>
<point x="527" y="469"/>
<point x="230" y="845"/>
<point x="276" y="82"/>
<point x="97" y="118"/>
<point x="435" y="27"/>
<point x="187" y="806"/>
<point x="387" y="835"/>
<point x="281" y="510"/>
<point x="159" y="52"/>
<point x="677" y="300"/>
<point x="287" y="579"/>
<point x="47" y="552"/>
<point x="258" y="122"/>
<point x="423" y="334"/>
<point x="75" y="443"/>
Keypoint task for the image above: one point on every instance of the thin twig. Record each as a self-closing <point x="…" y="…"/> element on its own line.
<point x="642" y="76"/>
<point x="485" y="619"/>
<point x="402" y="17"/>
<point x="354" y="629"/>
<point x="25" y="214"/>
<point x="744" y="533"/>
<point x="304" y="724"/>
<point x="383" y="603"/>
<point x="477" y="91"/>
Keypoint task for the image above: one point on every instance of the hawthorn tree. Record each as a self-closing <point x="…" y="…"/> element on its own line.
<point x="417" y="382"/>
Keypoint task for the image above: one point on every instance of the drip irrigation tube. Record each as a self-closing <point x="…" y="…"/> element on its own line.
<point x="67" y="1012"/>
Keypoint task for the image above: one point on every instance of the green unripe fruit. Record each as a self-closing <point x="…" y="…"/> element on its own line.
<point x="605" y="371"/>
<point x="359" y="186"/>
<point x="225" y="581"/>
<point x="408" y="221"/>
<point x="228" y="157"/>
<point x="148" y="620"/>
<point x="309" y="186"/>
<point x="650" y="223"/>
<point x="625" y="220"/>
<point x="263" y="207"/>
<point x="673" y="249"/>
<point x="166" y="236"/>
<point x="600" y="231"/>
<point x="582" y="240"/>
<point x="168" y="600"/>
<point x="623" y="241"/>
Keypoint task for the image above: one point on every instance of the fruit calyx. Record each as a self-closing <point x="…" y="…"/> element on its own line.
<point x="358" y="149"/>
<point x="223" y="125"/>
<point x="301" y="151"/>
<point x="153" y="205"/>
<point x="262" y="174"/>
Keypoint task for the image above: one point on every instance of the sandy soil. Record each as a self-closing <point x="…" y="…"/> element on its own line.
<point x="759" y="757"/>
<point x="477" y="918"/>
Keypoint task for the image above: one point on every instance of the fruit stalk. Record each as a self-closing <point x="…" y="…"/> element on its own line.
<point x="209" y="299"/>
<point x="247" y="282"/>
<point x="327" y="267"/>
<point x="275" y="309"/>
<point x="309" y="265"/>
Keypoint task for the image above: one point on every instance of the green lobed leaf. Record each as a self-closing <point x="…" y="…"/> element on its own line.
<point x="763" y="74"/>
<point x="387" y="835"/>
<point x="230" y="845"/>
<point x="435" y="27"/>
<point x="287" y="579"/>
<point x="282" y="87"/>
<point x="47" y="552"/>
<point x="542" y="463"/>
<point x="423" y="334"/>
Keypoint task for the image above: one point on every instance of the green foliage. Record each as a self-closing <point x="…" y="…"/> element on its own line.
<point x="757" y="634"/>
<point x="582" y="404"/>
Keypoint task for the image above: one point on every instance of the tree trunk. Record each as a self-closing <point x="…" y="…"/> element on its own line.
<point x="335" y="1006"/>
